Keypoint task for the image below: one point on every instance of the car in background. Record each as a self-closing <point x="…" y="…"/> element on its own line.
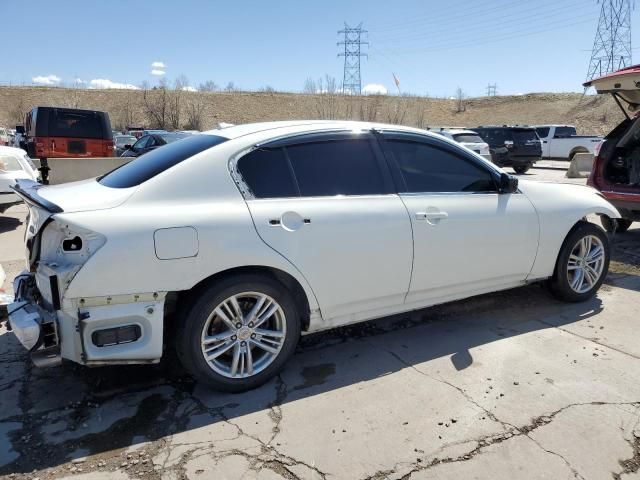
<point x="512" y="146"/>
<point x="466" y="138"/>
<point x="14" y="164"/>
<point x="121" y="143"/>
<point x="562" y="142"/>
<point x="147" y="143"/>
<point x="5" y="136"/>
<point x="616" y="166"/>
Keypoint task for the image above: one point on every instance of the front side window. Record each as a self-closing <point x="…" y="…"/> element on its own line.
<point x="427" y="168"/>
<point x="337" y="167"/>
<point x="543" y="132"/>
<point x="142" y="143"/>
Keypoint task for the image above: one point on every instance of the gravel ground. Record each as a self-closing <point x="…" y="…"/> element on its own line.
<point x="502" y="386"/>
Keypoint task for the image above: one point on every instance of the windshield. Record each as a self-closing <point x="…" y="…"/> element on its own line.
<point x="156" y="161"/>
<point x="9" y="163"/>
<point x="467" y="138"/>
<point x="123" y="140"/>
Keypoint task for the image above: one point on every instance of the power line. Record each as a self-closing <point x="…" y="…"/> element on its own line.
<point x="351" y="82"/>
<point x="612" y="45"/>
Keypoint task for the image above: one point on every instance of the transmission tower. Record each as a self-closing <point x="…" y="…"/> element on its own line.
<point x="492" y="90"/>
<point x="612" y="45"/>
<point x="351" y="82"/>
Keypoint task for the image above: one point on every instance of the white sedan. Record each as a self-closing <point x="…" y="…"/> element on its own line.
<point x="14" y="164"/>
<point x="234" y="242"/>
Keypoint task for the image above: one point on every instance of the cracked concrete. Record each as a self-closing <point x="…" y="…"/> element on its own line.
<point x="502" y="386"/>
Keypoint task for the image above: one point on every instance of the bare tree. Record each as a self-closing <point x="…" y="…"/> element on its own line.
<point x="156" y="102"/>
<point x="310" y="86"/>
<point x="174" y="106"/>
<point x="127" y="113"/>
<point x="195" y="112"/>
<point x="231" y="87"/>
<point x="369" y="108"/>
<point x="327" y="98"/>
<point x="18" y="112"/>
<point x="397" y="111"/>
<point x="461" y="102"/>
<point x="208" y="86"/>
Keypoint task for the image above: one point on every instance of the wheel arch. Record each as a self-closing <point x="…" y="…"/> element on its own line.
<point x="575" y="150"/>
<point x="178" y="301"/>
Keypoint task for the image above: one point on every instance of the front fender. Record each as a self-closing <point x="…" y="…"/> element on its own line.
<point x="560" y="207"/>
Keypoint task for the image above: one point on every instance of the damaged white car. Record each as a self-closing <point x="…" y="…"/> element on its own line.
<point x="234" y="242"/>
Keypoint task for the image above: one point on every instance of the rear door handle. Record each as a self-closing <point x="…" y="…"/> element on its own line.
<point x="431" y="215"/>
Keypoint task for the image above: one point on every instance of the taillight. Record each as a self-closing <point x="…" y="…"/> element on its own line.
<point x="596" y="149"/>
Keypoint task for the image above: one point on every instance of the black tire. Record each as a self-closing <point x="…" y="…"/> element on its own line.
<point x="520" y="169"/>
<point x="615" y="225"/>
<point x="188" y="339"/>
<point x="559" y="284"/>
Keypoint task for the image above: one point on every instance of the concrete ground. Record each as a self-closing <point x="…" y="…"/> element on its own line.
<point x="512" y="385"/>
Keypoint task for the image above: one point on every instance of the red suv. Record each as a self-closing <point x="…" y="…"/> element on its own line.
<point x="616" y="167"/>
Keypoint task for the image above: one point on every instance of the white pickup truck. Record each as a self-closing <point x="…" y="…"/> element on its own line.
<point x="561" y="142"/>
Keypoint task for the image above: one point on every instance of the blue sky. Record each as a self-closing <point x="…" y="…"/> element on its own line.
<point x="432" y="46"/>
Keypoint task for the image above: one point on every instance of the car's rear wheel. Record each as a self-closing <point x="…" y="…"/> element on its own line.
<point x="521" y="168"/>
<point x="239" y="332"/>
<point x="582" y="264"/>
<point x="615" y="225"/>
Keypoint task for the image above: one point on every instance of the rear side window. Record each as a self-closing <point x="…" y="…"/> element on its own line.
<point x="426" y="168"/>
<point x="9" y="163"/>
<point x="156" y="161"/>
<point x="494" y="136"/>
<point x="75" y="124"/>
<point x="337" y="167"/>
<point x="564" y="132"/>
<point x="521" y="136"/>
<point x="267" y="173"/>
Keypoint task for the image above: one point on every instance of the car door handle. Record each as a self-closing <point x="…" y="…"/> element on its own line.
<point x="274" y="222"/>
<point x="431" y="215"/>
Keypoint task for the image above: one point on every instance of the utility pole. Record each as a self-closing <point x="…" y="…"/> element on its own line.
<point x="352" y="43"/>
<point x="492" y="90"/>
<point x="612" y="44"/>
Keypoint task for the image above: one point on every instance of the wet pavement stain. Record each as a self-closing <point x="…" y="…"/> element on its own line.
<point x="316" y="375"/>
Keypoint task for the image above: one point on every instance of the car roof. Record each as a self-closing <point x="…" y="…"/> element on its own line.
<point x="284" y="127"/>
<point x="11" y="151"/>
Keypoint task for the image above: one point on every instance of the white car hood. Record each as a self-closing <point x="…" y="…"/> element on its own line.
<point x="84" y="195"/>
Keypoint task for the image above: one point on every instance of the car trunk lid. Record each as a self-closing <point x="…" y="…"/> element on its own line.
<point x="624" y="85"/>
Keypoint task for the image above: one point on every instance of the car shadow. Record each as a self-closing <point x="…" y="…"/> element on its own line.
<point x="74" y="411"/>
<point x="625" y="258"/>
<point x="9" y="224"/>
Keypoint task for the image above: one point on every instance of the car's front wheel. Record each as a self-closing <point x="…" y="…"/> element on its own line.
<point x="615" y="225"/>
<point x="582" y="264"/>
<point x="239" y="332"/>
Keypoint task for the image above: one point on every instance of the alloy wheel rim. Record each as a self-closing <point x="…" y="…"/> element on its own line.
<point x="586" y="264"/>
<point x="243" y="335"/>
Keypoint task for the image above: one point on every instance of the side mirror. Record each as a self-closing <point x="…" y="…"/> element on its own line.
<point x="20" y="129"/>
<point x="508" y="183"/>
<point x="127" y="147"/>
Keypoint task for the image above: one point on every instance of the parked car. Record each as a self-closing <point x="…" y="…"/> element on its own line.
<point x="5" y="136"/>
<point x="293" y="226"/>
<point x="562" y="142"/>
<point x="466" y="138"/>
<point x="14" y="164"/>
<point x="512" y="146"/>
<point x="122" y="143"/>
<point x="52" y="132"/>
<point x="150" y="142"/>
<point x="616" y="166"/>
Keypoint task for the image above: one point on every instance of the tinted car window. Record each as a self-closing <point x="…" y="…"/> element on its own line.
<point x="337" y="167"/>
<point x="142" y="143"/>
<point x="267" y="173"/>
<point x="521" y="136"/>
<point x="426" y="168"/>
<point x="564" y="132"/>
<point x="75" y="124"/>
<point x="543" y="132"/>
<point x="172" y="137"/>
<point x="152" y="163"/>
<point x="467" y="138"/>
<point x="494" y="136"/>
